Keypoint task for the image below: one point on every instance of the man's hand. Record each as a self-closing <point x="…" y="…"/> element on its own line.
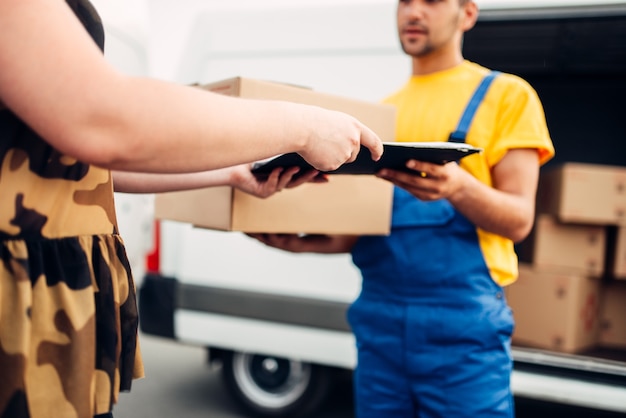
<point x="285" y="242"/>
<point x="312" y="243"/>
<point x="505" y="207"/>
<point x="428" y="181"/>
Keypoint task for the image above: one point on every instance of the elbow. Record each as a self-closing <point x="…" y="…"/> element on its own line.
<point x="519" y="235"/>
<point x="96" y="132"/>
<point x="98" y="145"/>
<point x="521" y="231"/>
<point x="111" y="157"/>
<point x="99" y="153"/>
<point x="522" y="223"/>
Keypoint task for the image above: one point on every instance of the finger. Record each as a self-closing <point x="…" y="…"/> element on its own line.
<point x="309" y="176"/>
<point x="287" y="177"/>
<point x="258" y="237"/>
<point x="353" y="155"/>
<point x="273" y="177"/>
<point x="401" y="177"/>
<point x="372" y="142"/>
<point x="422" y="166"/>
<point x="320" y="178"/>
<point x="266" y="239"/>
<point x="390" y="174"/>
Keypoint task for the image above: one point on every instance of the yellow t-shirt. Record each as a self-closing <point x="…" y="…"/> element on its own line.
<point x="510" y="116"/>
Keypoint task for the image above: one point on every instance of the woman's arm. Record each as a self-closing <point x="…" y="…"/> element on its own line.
<point x="56" y="79"/>
<point x="238" y="176"/>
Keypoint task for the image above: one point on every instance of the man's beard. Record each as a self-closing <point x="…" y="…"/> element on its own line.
<point x="417" y="53"/>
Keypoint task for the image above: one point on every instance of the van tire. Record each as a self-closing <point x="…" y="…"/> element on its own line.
<point x="269" y="386"/>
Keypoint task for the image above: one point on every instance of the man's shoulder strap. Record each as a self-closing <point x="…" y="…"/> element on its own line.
<point x="470" y="110"/>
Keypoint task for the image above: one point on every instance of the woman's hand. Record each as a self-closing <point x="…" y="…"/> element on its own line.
<point x="336" y="138"/>
<point x="279" y="179"/>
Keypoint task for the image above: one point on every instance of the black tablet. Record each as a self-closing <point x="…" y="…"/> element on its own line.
<point x="395" y="156"/>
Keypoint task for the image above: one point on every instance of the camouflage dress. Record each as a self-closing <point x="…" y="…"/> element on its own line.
<point x="68" y="316"/>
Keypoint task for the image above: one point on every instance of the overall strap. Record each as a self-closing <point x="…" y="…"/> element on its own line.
<point x="470" y="110"/>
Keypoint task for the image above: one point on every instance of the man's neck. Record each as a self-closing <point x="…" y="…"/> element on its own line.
<point x="435" y="62"/>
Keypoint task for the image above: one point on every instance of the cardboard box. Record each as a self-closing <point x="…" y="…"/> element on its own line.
<point x="555" y="311"/>
<point x="616" y="253"/>
<point x="347" y="204"/>
<point x="381" y="118"/>
<point x="584" y="193"/>
<point x="556" y="245"/>
<point x="613" y="315"/>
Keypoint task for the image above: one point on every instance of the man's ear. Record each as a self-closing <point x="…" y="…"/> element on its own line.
<point x="469" y="15"/>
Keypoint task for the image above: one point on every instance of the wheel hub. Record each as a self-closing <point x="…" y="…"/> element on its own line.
<point x="270" y="381"/>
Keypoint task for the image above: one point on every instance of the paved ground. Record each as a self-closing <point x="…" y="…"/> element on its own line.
<point x="180" y="384"/>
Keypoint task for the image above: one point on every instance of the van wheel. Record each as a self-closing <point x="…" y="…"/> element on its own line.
<point x="270" y="386"/>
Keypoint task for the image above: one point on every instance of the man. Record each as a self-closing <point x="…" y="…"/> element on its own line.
<point x="432" y="325"/>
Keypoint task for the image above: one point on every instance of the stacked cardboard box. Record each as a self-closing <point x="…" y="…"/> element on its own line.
<point x="584" y="194"/>
<point x="613" y="312"/>
<point x="613" y="316"/>
<point x="566" y="297"/>
<point x="554" y="245"/>
<point x="346" y="204"/>
<point x="555" y="310"/>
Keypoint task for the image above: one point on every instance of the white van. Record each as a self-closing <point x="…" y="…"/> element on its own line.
<point x="276" y="321"/>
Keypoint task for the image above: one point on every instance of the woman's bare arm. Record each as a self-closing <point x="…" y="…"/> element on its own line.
<point x="239" y="177"/>
<point x="56" y="79"/>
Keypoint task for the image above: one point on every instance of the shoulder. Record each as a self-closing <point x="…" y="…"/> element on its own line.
<point x="504" y="80"/>
<point x="514" y="83"/>
<point x="511" y="85"/>
<point x="512" y="90"/>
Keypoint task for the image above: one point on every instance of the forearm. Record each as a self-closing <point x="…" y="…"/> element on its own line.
<point x="89" y="111"/>
<point x="505" y="207"/>
<point x="212" y="125"/>
<point x="506" y="214"/>
<point x="131" y="182"/>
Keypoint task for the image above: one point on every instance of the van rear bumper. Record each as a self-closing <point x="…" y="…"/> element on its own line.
<point x="161" y="296"/>
<point x="580" y="380"/>
<point x="157" y="303"/>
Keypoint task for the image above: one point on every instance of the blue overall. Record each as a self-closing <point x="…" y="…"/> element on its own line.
<point x="432" y="327"/>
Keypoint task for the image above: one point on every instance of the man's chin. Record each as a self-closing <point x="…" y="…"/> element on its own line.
<point x="413" y="50"/>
